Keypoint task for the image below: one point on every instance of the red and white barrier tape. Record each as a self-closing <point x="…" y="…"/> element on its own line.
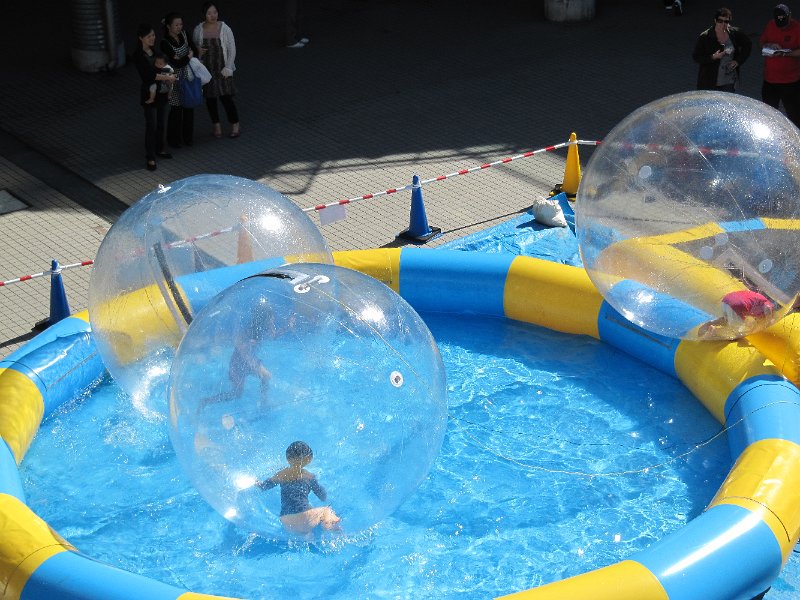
<point x="319" y="207"/>
<point x="703" y="150"/>
<point x="84" y="263"/>
<point x="482" y="167"/>
<point x="197" y="238"/>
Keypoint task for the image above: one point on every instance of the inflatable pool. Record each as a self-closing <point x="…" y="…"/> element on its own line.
<point x="735" y="549"/>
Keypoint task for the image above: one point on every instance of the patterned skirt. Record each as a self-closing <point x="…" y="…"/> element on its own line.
<point x="214" y="61"/>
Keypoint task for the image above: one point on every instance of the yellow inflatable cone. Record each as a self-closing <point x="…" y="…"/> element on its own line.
<point x="572" y="172"/>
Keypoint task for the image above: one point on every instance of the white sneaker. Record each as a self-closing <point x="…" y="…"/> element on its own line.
<point x="299" y="44"/>
<point x="304" y="40"/>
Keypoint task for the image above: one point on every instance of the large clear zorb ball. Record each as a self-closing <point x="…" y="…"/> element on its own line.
<point x="310" y="353"/>
<point x="172" y="251"/>
<point x="688" y="199"/>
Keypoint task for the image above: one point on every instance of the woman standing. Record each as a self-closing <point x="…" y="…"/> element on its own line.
<point x="178" y="49"/>
<point x="721" y="51"/>
<point x="154" y="109"/>
<point x="218" y="53"/>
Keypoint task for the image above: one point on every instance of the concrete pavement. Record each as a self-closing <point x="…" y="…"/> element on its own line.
<point x="385" y="90"/>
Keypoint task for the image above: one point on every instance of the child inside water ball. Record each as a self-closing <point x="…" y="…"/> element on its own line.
<point x="297" y="514"/>
<point x="244" y="361"/>
<point x="741" y="311"/>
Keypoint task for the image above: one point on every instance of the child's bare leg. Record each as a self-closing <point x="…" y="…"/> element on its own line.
<point x="215" y="399"/>
<point x="329" y="519"/>
<point x="305" y="522"/>
<point x="294" y="525"/>
<point x="263" y="399"/>
<point x="265" y="376"/>
<point x="300" y="523"/>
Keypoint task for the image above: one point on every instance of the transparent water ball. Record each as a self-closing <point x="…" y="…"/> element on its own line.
<point x="690" y="201"/>
<point x="172" y="251"/>
<point x="310" y="353"/>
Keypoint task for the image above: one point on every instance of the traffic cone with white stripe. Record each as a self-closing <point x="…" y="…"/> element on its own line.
<point x="59" y="307"/>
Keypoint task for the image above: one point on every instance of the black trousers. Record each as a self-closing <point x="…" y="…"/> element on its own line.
<point x="228" y="104"/>
<point x="154" y="128"/>
<point x="788" y="93"/>
<point x="293" y="10"/>
<point x="180" y="126"/>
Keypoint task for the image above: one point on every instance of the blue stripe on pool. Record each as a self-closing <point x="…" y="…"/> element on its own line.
<point x="10" y="482"/>
<point x="70" y="575"/>
<point x="760" y="408"/>
<point x="748" y="225"/>
<point x="656" y="350"/>
<point x="712" y="569"/>
<point x="452" y="276"/>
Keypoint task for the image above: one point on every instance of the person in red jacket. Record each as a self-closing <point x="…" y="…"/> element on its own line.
<point x="780" y="44"/>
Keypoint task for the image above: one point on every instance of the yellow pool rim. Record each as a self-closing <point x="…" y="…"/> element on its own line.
<point x="736" y="547"/>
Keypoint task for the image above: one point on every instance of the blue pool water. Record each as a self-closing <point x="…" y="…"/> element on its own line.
<point x="562" y="455"/>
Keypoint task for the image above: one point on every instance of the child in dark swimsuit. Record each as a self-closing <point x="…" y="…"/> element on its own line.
<point x="297" y="515"/>
<point x="244" y="362"/>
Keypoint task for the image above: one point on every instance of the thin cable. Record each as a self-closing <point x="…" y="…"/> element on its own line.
<point x="646" y="469"/>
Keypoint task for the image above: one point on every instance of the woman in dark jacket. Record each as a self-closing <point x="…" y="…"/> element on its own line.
<point x="721" y="51"/>
<point x="178" y="49"/>
<point x="154" y="110"/>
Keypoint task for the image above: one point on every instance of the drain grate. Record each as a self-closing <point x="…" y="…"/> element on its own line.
<point x="10" y="203"/>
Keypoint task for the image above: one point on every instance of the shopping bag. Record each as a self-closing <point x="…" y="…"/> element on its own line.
<point x="200" y="70"/>
<point x="191" y="89"/>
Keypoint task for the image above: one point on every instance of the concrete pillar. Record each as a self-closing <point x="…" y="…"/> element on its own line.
<point x="569" y="10"/>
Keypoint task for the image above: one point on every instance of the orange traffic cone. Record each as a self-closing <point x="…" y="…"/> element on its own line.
<point x="244" y="245"/>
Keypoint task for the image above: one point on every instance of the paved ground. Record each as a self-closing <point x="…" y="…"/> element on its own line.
<point x="386" y="89"/>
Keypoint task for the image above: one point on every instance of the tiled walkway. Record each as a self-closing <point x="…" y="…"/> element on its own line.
<point x="385" y="90"/>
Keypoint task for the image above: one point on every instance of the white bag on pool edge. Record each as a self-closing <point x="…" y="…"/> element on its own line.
<point x="548" y="212"/>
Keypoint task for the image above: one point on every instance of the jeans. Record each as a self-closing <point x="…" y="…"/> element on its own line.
<point x="293" y="10"/>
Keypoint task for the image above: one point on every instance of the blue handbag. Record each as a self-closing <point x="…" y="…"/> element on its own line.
<point x="191" y="90"/>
